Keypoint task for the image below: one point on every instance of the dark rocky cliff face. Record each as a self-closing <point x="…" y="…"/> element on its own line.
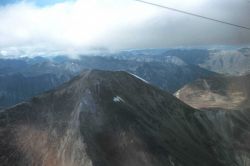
<point x="110" y="119"/>
<point x="234" y="128"/>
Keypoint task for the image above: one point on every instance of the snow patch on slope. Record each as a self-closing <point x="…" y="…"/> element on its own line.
<point x="177" y="94"/>
<point x="139" y="77"/>
<point x="118" y="99"/>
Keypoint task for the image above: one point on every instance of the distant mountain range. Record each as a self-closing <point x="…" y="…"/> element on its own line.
<point x="169" y="69"/>
<point x="40" y="74"/>
<point x="231" y="62"/>
<point x="224" y="61"/>
<point x="103" y="118"/>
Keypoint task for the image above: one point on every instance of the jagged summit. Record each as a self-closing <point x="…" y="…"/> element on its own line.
<point x="103" y="118"/>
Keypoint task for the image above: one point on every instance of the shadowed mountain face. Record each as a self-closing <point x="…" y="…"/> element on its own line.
<point x="15" y="88"/>
<point x="170" y="77"/>
<point x="233" y="126"/>
<point x="110" y="119"/>
<point x="217" y="92"/>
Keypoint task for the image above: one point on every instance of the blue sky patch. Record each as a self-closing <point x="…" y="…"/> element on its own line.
<point x="37" y="2"/>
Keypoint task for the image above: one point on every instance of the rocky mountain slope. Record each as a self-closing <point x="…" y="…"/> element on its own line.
<point x="111" y="119"/>
<point x="227" y="92"/>
<point x="231" y="62"/>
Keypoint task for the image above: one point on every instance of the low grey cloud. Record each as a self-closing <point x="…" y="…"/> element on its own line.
<point x="74" y="26"/>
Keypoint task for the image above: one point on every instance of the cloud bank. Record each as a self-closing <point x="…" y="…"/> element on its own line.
<point x="71" y="27"/>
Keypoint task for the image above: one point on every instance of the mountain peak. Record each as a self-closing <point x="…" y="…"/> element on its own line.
<point x="103" y="118"/>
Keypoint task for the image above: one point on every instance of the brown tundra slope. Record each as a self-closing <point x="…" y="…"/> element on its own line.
<point x="227" y="92"/>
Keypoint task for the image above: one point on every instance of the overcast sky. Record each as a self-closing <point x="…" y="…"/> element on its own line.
<point x="49" y="26"/>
